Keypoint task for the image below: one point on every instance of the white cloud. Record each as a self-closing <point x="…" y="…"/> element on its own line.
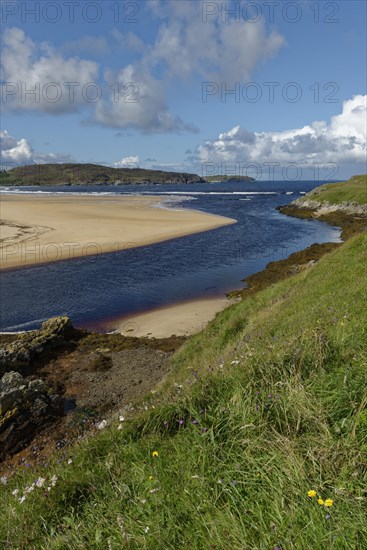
<point x="14" y="152"/>
<point x="212" y="50"/>
<point x="185" y="47"/>
<point x="343" y="140"/>
<point x="128" y="162"/>
<point x="27" y="66"/>
<point x="138" y="101"/>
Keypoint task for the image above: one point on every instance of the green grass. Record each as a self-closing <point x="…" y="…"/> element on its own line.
<point x="272" y="405"/>
<point x="353" y="190"/>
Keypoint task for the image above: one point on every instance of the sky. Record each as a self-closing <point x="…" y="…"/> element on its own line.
<point x="271" y="89"/>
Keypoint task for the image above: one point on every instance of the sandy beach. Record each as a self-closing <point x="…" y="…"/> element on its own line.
<point x="37" y="229"/>
<point x="183" y="319"/>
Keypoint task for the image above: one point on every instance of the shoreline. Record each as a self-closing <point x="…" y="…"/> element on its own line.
<point x="43" y="229"/>
<point x="180" y="319"/>
<point x="158" y="323"/>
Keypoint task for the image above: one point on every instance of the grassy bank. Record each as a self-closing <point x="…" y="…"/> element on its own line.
<point x="263" y="406"/>
<point x="353" y="190"/>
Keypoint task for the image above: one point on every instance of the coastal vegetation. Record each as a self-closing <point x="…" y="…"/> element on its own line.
<point x="353" y="191"/>
<point x="255" y="439"/>
<point x="90" y="174"/>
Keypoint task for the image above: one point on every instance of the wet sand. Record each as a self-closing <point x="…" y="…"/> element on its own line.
<point x="183" y="319"/>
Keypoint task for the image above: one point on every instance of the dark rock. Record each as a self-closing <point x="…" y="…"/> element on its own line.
<point x="25" y="408"/>
<point x="18" y="355"/>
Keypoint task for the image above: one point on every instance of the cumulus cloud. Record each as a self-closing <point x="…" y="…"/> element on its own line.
<point x="37" y="77"/>
<point x="137" y="100"/>
<point x="185" y="46"/>
<point x="128" y="162"/>
<point x="17" y="152"/>
<point x="342" y="140"/>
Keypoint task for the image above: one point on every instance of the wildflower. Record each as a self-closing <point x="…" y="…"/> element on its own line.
<point x="53" y="481"/>
<point x="3" y="480"/>
<point x="320" y="501"/>
<point x="22" y="499"/>
<point x="153" y="490"/>
<point x="70" y="461"/>
<point x="121" y="419"/>
<point x="204" y="430"/>
<point x="150" y="478"/>
<point x="155" y="454"/>
<point x="234" y="362"/>
<point x="30" y="488"/>
<point x="119" y="427"/>
<point x="40" y="481"/>
<point x="181" y="422"/>
<point x="102" y="425"/>
<point x="146" y="530"/>
<point x="328" y="516"/>
<point x="195" y="421"/>
<point x="15" y="492"/>
<point x="329" y="502"/>
<point x="311" y="493"/>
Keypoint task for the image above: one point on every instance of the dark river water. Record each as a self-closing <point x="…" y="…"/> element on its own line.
<point x="92" y="290"/>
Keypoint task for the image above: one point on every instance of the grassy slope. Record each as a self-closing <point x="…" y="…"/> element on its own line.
<point x="353" y="190"/>
<point x="256" y="436"/>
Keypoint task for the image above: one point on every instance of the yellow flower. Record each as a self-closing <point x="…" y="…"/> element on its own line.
<point x="150" y="477"/>
<point x="328" y="502"/>
<point x="311" y="493"/>
<point x="155" y="453"/>
<point x="320" y="501"/>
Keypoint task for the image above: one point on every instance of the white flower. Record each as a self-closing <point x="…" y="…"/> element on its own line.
<point x="70" y="461"/>
<point x="119" y="427"/>
<point x="30" y="488"/>
<point x="3" y="480"/>
<point x="40" y="482"/>
<point x="48" y="488"/>
<point x="146" y="530"/>
<point x="15" y="492"/>
<point x="234" y="362"/>
<point x="102" y="425"/>
<point x="121" y="419"/>
<point x="53" y="481"/>
<point x="22" y="499"/>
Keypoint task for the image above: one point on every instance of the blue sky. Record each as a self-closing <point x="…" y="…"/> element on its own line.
<point x="171" y="53"/>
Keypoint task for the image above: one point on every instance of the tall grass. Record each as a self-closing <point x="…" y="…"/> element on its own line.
<point x="266" y="404"/>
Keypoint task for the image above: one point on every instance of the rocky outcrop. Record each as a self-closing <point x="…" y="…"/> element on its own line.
<point x="26" y="406"/>
<point x="18" y="355"/>
<point x="351" y="208"/>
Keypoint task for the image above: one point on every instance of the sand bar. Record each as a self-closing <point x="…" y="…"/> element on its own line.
<point x="38" y="229"/>
<point x="183" y="319"/>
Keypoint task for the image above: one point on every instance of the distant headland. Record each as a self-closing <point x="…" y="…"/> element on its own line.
<point x="95" y="174"/>
<point x="90" y="174"/>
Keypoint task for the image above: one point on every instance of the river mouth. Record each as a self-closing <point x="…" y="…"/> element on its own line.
<point x="94" y="290"/>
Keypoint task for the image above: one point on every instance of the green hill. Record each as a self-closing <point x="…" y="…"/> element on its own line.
<point x="89" y="174"/>
<point x="353" y="190"/>
<point x="265" y="405"/>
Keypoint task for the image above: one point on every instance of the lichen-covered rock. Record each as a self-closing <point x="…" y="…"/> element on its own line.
<point x="25" y="408"/>
<point x="18" y="355"/>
